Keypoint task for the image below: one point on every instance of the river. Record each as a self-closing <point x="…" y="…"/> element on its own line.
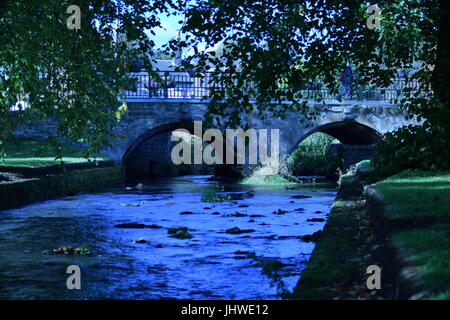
<point x="264" y="263"/>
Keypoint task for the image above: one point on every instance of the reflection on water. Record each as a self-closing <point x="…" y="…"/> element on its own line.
<point x="263" y="263"/>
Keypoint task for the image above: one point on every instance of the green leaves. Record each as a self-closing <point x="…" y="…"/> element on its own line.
<point x="270" y="51"/>
<point x="73" y="76"/>
<point x="277" y="46"/>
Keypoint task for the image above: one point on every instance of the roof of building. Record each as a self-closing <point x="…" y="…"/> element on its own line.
<point x="163" y="65"/>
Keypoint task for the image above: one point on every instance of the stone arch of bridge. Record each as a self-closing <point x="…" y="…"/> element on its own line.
<point x="133" y="149"/>
<point x="358" y="140"/>
<point x="347" y="132"/>
<point x="168" y="127"/>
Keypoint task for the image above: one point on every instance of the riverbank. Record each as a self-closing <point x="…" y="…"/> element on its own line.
<point x="17" y="190"/>
<point x="345" y="248"/>
<point x="401" y="224"/>
<point x="413" y="210"/>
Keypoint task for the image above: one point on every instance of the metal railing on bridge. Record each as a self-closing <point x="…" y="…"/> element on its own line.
<point x="181" y="85"/>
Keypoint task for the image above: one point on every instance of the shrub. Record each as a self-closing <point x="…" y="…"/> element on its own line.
<point x="413" y="147"/>
<point x="312" y="157"/>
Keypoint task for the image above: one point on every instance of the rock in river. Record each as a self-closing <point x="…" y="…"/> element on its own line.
<point x="136" y="226"/>
<point x="179" y="233"/>
<point x="280" y="211"/>
<point x="141" y="240"/>
<point x="236" y="214"/>
<point x="311" y="237"/>
<point x="300" y="196"/>
<point x="316" y="220"/>
<point x="236" y="230"/>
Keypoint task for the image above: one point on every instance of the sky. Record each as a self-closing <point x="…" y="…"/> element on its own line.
<point x="170" y="26"/>
<point x="169" y="30"/>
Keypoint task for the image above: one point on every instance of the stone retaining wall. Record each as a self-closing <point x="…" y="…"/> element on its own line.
<point x="20" y="193"/>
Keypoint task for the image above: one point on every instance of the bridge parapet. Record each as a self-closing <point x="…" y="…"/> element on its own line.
<point x="184" y="85"/>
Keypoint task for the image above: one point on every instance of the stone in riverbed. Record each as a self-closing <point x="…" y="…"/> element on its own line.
<point x="130" y="226"/>
<point x="141" y="240"/>
<point x="175" y="230"/>
<point x="236" y="230"/>
<point x="182" y="235"/>
<point x="68" y="250"/>
<point x="242" y="252"/>
<point x="316" y="220"/>
<point x="311" y="237"/>
<point x="179" y="233"/>
<point x="236" y="214"/>
<point x="280" y="211"/>
<point x="300" y="196"/>
<point x="154" y="226"/>
<point x="136" y="226"/>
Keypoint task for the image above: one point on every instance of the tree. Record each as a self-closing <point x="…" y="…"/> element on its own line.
<point x="289" y="42"/>
<point x="74" y="76"/>
<point x="274" y="49"/>
<point x="163" y="55"/>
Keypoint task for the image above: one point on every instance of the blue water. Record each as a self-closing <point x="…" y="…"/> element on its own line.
<point x="212" y="265"/>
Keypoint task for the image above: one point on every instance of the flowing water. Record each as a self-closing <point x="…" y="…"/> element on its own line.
<point x="263" y="264"/>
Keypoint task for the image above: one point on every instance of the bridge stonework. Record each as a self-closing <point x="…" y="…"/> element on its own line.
<point x="145" y="128"/>
<point x="357" y="125"/>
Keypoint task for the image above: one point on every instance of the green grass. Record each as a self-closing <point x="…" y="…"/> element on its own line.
<point x="427" y="252"/>
<point x="419" y="203"/>
<point x="24" y="153"/>
<point x="417" y="196"/>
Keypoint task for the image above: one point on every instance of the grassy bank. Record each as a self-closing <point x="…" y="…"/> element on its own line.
<point x="417" y="219"/>
<point x="404" y="228"/>
<point x="24" y="153"/>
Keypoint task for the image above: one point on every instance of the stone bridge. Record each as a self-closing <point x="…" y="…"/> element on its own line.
<point x="146" y="130"/>
<point x="145" y="145"/>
